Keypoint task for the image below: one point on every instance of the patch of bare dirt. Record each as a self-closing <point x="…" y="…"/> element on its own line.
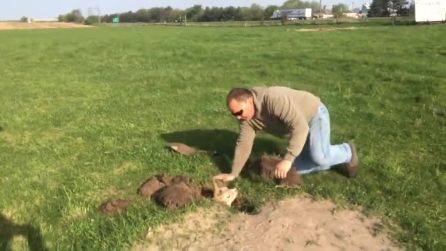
<point x="300" y="223"/>
<point x="39" y="25"/>
<point x="327" y="29"/>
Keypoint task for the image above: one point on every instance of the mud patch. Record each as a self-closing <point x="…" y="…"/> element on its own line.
<point x="39" y="25"/>
<point x="328" y="29"/>
<point x="292" y="224"/>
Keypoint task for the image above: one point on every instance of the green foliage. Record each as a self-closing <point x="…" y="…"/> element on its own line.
<point x="338" y="10"/>
<point x="156" y="14"/>
<point x="194" y="13"/>
<point x="378" y="8"/>
<point x="209" y="14"/>
<point x="254" y="13"/>
<point x="297" y="4"/>
<point x="62" y="18"/>
<point x="86" y="114"/>
<point x="407" y="10"/>
<point x="92" y="20"/>
<point x="75" y="16"/>
<point x="268" y="12"/>
<point x="385" y="8"/>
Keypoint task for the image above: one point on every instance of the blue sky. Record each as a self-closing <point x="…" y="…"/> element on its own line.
<point x="45" y="9"/>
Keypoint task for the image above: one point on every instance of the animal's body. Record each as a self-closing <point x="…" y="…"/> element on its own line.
<point x="173" y="193"/>
<point x="265" y="167"/>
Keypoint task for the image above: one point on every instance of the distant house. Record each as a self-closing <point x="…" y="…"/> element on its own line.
<point x="45" y="20"/>
<point x="34" y="20"/>
<point x="326" y="16"/>
<point x="351" y="14"/>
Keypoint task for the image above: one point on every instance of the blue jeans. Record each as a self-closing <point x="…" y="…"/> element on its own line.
<point x="318" y="153"/>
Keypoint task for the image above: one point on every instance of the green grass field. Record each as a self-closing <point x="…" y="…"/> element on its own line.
<point x="85" y="115"/>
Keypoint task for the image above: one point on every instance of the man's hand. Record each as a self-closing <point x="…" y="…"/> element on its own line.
<point x="282" y="168"/>
<point x="224" y="177"/>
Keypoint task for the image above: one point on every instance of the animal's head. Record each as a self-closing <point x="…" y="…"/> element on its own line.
<point x="224" y="195"/>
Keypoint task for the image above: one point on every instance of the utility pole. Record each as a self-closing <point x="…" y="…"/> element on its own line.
<point x="98" y="10"/>
<point x="320" y="8"/>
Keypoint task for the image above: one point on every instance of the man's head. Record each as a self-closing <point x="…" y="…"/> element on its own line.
<point x="240" y="102"/>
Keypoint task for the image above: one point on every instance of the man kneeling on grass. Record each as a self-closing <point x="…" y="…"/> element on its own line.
<point x="284" y="111"/>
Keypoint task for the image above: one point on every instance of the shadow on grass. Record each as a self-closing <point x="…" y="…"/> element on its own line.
<point x="9" y="230"/>
<point x="220" y="144"/>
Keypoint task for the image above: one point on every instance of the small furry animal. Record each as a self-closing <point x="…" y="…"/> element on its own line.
<point x="153" y="184"/>
<point x="265" y="167"/>
<point x="176" y="192"/>
<point x="224" y="195"/>
<point x="176" y="195"/>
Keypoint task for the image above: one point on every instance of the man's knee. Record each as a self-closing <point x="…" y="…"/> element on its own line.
<point x="320" y="159"/>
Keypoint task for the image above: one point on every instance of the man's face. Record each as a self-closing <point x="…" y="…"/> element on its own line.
<point x="242" y="110"/>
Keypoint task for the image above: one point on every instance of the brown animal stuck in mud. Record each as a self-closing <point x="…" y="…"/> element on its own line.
<point x="223" y="194"/>
<point x="176" y="195"/>
<point x="173" y="193"/>
<point x="265" y="167"/>
<point x="178" y="191"/>
<point x="153" y="184"/>
<point x="182" y="191"/>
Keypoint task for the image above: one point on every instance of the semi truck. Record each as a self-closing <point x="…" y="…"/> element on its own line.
<point x="292" y="14"/>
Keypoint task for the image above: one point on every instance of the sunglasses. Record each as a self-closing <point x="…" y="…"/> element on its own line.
<point x="239" y="113"/>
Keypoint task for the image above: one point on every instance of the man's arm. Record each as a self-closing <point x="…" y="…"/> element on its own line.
<point x="243" y="148"/>
<point x="299" y="134"/>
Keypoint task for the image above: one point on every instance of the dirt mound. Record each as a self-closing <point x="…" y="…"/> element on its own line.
<point x="39" y="25"/>
<point x="175" y="192"/>
<point x="325" y="29"/>
<point x="292" y="224"/>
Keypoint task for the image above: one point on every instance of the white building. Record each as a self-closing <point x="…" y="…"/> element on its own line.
<point x="430" y="10"/>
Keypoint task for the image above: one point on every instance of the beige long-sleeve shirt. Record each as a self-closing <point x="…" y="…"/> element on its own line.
<point x="280" y="111"/>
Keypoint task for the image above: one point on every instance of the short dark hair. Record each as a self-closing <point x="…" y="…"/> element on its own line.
<point x="239" y="94"/>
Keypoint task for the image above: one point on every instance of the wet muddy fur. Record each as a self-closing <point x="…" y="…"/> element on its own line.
<point x="178" y="191"/>
<point x="265" y="167"/>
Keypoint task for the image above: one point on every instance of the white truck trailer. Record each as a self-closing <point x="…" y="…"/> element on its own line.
<point x="292" y="14"/>
<point x="430" y="10"/>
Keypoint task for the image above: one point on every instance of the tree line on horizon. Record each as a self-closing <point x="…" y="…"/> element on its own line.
<point x="255" y="12"/>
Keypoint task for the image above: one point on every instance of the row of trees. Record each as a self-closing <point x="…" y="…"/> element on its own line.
<point x="255" y="12"/>
<point x="196" y="13"/>
<point x="209" y="14"/>
<point x="75" y="16"/>
<point x="385" y="8"/>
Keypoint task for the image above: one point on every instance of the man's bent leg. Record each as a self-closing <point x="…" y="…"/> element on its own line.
<point x="304" y="164"/>
<point x="319" y="154"/>
<point x="321" y="150"/>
